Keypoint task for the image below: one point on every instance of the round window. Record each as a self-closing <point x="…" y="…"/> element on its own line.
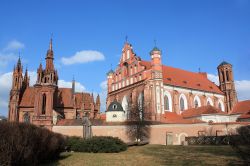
<point x="114" y="115"/>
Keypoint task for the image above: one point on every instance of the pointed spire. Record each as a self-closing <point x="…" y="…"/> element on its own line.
<point x="92" y="98"/>
<point x="19" y="64"/>
<point x="98" y="99"/>
<point x="50" y="44"/>
<point x="73" y="85"/>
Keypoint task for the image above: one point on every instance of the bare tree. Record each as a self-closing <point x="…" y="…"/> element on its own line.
<point x="241" y="143"/>
<point x="138" y="124"/>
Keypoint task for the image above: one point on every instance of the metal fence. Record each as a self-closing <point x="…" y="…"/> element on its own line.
<point x="208" y="140"/>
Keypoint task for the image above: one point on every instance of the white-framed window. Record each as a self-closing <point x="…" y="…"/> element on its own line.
<point x="209" y="101"/>
<point x="167" y="101"/>
<point x="183" y="102"/>
<point x="128" y="54"/>
<point x="197" y="102"/>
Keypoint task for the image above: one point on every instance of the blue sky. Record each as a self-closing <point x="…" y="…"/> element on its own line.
<point x="192" y="34"/>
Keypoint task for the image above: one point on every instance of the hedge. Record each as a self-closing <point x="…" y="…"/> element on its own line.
<point x="96" y="144"/>
<point x="26" y="144"/>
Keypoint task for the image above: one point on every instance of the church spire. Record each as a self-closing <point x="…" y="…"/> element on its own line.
<point x="50" y="44"/>
<point x="50" y="57"/>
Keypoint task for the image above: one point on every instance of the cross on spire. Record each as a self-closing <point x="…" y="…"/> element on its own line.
<point x="155" y="42"/>
<point x="126" y="38"/>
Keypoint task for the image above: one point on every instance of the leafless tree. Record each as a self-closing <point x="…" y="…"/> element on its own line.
<point x="241" y="143"/>
<point x="138" y="124"/>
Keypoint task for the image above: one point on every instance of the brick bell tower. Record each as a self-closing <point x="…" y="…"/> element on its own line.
<point x="227" y="86"/>
<point x="156" y="83"/>
<point x="46" y="88"/>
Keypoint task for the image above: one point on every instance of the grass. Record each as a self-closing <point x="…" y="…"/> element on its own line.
<point x="151" y="155"/>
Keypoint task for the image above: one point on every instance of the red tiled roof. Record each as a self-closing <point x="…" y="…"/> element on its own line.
<point x="172" y="117"/>
<point x="241" y="107"/>
<point x="83" y="98"/>
<point x="64" y="97"/>
<point x="193" y="112"/>
<point x="28" y="97"/>
<point x="182" y="78"/>
<point x="246" y="115"/>
<point x="187" y="79"/>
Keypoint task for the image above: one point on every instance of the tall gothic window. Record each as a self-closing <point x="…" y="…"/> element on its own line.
<point x="196" y="104"/>
<point x="227" y="74"/>
<point x="182" y="106"/>
<point x="44" y="104"/>
<point x="26" y="118"/>
<point x="220" y="107"/>
<point x="166" y="102"/>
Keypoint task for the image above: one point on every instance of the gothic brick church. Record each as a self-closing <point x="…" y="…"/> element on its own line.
<point x="45" y="103"/>
<point x="165" y="90"/>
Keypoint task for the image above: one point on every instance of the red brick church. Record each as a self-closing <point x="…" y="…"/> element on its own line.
<point x="45" y="103"/>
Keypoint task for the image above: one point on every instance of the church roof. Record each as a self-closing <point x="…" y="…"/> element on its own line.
<point x="224" y="63"/>
<point x="193" y="112"/>
<point x="186" y="79"/>
<point x="115" y="106"/>
<point x="28" y="97"/>
<point x="83" y="99"/>
<point x="241" y="107"/>
<point x="174" y="118"/>
<point x="64" y="98"/>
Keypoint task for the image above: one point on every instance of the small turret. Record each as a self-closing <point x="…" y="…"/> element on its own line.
<point x="156" y="64"/>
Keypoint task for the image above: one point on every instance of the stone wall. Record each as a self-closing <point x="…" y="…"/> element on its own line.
<point x="158" y="133"/>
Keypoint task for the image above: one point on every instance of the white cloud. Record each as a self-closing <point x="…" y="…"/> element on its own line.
<point x="13" y="45"/>
<point x="68" y="84"/>
<point x="6" y="58"/>
<point x="6" y="54"/>
<point x="83" y="57"/>
<point x="242" y="87"/>
<point x="103" y="95"/>
<point x="5" y="86"/>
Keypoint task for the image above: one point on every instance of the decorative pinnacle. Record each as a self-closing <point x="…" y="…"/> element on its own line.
<point x="50" y="44"/>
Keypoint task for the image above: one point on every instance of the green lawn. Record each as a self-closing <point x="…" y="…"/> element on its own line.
<point x="156" y="155"/>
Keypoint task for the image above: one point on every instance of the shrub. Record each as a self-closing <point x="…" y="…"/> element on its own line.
<point x="241" y="143"/>
<point x="26" y="144"/>
<point x="96" y="144"/>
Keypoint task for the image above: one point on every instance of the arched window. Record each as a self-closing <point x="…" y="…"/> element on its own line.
<point x="140" y="101"/>
<point x="223" y="76"/>
<point x="26" y="118"/>
<point x="182" y="106"/>
<point x="196" y="104"/>
<point x="166" y="103"/>
<point x="183" y="102"/>
<point x="220" y="107"/>
<point x="210" y="101"/>
<point x="128" y="54"/>
<point x="227" y="74"/>
<point x="44" y="104"/>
